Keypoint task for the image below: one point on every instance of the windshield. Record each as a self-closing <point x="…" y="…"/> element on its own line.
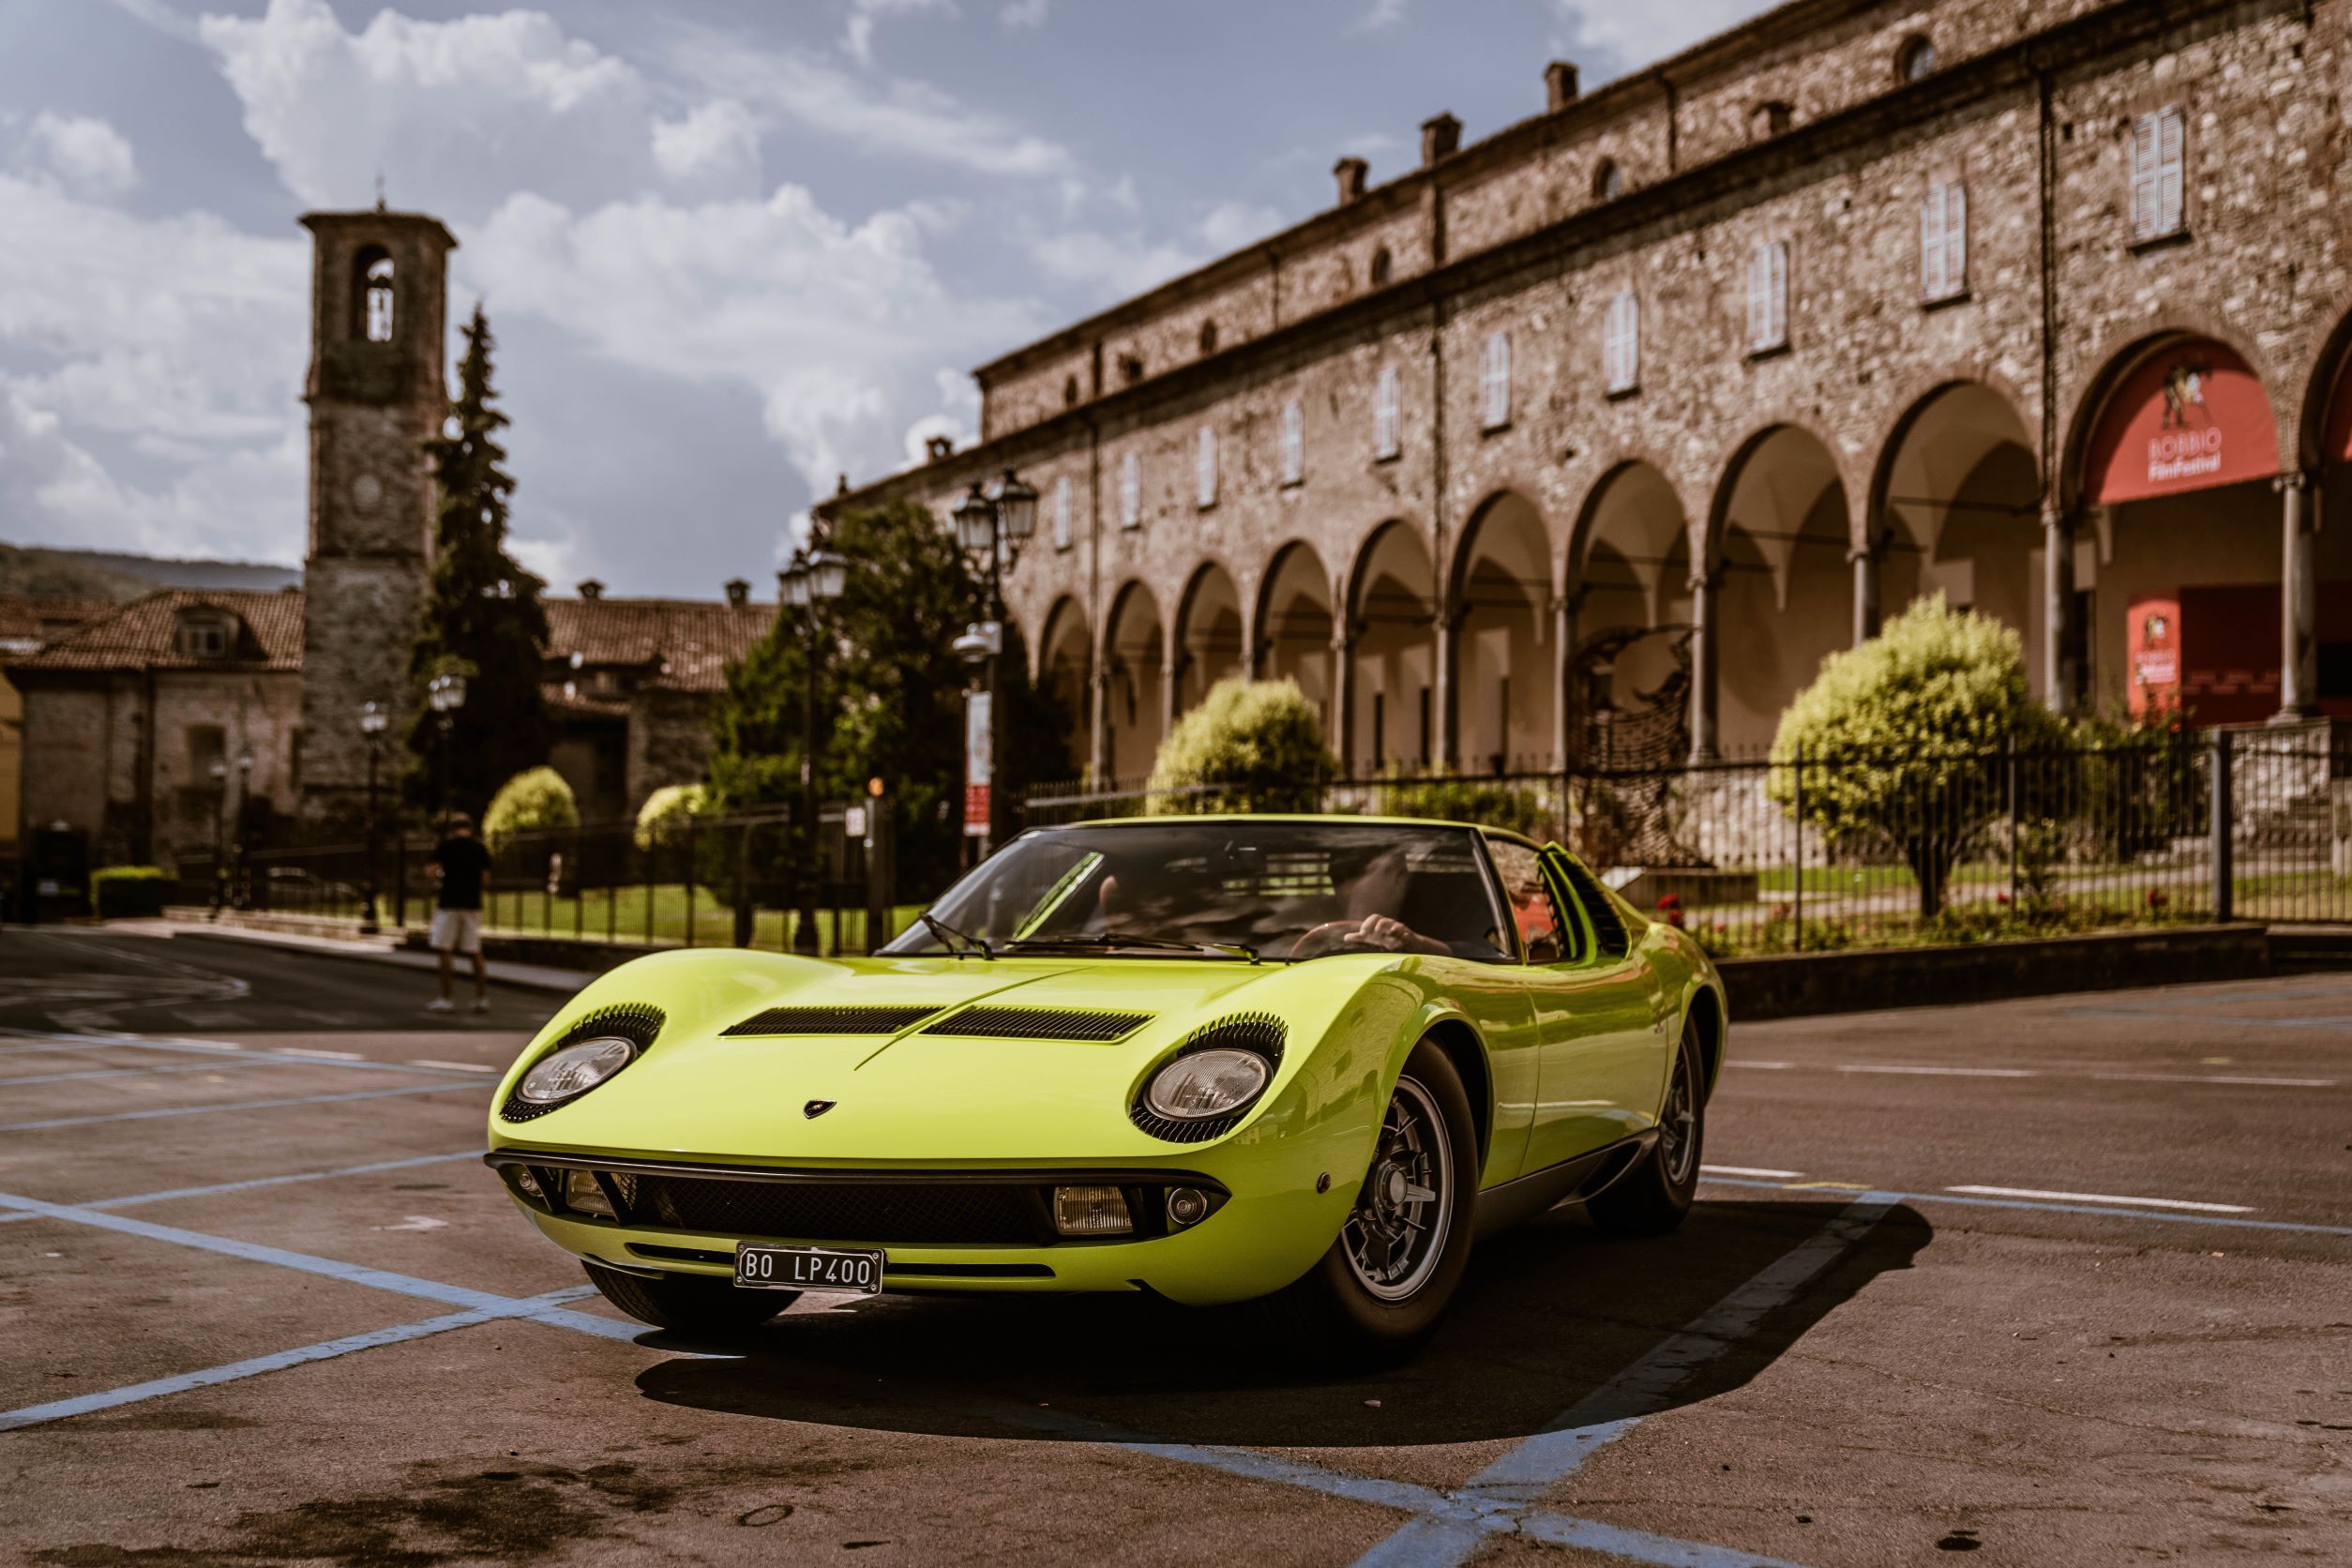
<point x="1232" y="886"/>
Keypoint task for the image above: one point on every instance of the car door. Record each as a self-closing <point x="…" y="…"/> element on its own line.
<point x="1600" y="1048"/>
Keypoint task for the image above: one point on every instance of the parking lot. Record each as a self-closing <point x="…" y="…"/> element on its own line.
<point x="2060" y="1280"/>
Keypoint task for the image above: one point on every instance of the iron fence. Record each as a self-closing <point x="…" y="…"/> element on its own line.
<point x="1812" y="852"/>
<point x="713" y="881"/>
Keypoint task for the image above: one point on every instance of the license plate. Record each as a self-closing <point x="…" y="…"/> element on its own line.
<point x="808" y="1268"/>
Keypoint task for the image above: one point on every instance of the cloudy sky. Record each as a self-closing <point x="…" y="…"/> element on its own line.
<point x="731" y="247"/>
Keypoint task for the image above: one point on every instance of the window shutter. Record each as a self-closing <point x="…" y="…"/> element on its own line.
<point x="2146" y="178"/>
<point x="1955" y="240"/>
<point x="1293" y="443"/>
<point x="1384" y="434"/>
<point x="1131" y="491"/>
<point x="1204" y="468"/>
<point x="1759" y="297"/>
<point x="1776" y="293"/>
<point x="1932" y="281"/>
<point x="2171" y="169"/>
<point x="1621" y="348"/>
<point x="1061" y="513"/>
<point x="1495" y="381"/>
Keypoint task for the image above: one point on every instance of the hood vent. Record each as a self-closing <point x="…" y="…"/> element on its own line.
<point x="1039" y="1023"/>
<point x="839" y="1019"/>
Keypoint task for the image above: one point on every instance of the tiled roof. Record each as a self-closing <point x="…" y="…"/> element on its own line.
<point x="27" y="624"/>
<point x="144" y="634"/>
<point x="680" y="644"/>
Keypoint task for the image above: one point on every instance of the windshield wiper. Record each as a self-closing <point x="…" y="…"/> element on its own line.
<point x="1128" y="939"/>
<point x="948" y="937"/>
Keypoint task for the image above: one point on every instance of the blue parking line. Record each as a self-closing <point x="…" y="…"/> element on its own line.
<point x="474" y="1084"/>
<point x="2100" y="1210"/>
<point x="107" y="1399"/>
<point x="216" y="1189"/>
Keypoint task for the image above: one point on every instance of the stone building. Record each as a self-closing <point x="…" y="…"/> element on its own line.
<point x="126" y="714"/>
<point x="1651" y="400"/>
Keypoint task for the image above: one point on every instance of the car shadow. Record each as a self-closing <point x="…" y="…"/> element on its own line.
<point x="1547" y="1315"/>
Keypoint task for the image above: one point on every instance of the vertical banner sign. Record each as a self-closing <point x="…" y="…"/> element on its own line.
<point x="979" y="764"/>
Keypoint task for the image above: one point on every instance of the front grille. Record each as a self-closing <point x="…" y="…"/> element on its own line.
<point x="844" y="1019"/>
<point x="1261" y="1033"/>
<point x="938" y="1213"/>
<point x="1039" y="1023"/>
<point x="631" y="1020"/>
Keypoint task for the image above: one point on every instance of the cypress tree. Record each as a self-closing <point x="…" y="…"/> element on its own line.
<point x="482" y="616"/>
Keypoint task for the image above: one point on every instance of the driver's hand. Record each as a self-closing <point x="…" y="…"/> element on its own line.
<point x="1383" y="932"/>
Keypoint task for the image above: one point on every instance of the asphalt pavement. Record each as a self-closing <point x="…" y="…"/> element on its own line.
<point x="2065" y="1280"/>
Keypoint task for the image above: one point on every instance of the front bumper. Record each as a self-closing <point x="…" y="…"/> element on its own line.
<point x="976" y="1230"/>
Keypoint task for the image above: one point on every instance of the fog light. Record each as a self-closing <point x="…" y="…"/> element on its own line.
<point x="582" y="1196"/>
<point x="529" y="1184"/>
<point x="1091" y="1212"/>
<point x="1187" y="1206"/>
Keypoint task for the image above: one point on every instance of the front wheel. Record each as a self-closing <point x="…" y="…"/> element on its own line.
<point x="1651" y="1198"/>
<point x="1379" y="1289"/>
<point x="690" y="1304"/>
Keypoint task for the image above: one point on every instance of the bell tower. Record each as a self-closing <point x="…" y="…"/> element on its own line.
<point x="376" y="391"/>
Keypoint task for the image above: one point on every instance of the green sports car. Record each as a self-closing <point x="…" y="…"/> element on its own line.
<point x="1214" y="1058"/>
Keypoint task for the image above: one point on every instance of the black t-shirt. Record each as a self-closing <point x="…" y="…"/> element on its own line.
<point x="463" y="864"/>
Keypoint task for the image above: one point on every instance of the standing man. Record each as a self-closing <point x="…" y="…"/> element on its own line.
<point x="461" y="868"/>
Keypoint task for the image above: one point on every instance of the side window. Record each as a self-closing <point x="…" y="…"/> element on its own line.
<point x="1547" y="937"/>
<point x="1608" y="926"/>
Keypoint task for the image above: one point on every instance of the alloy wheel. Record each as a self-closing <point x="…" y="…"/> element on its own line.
<point x="1403" y="1212"/>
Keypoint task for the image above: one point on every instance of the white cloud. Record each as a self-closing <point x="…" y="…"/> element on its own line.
<point x="716" y="143"/>
<point x="1632" y="36"/>
<point x="87" y="155"/>
<point x="1024" y="13"/>
<point x="1230" y="225"/>
<point x="1380" y="15"/>
<point x="858" y="35"/>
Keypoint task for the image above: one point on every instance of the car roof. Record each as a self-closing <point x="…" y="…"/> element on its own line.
<point x="1209" y="817"/>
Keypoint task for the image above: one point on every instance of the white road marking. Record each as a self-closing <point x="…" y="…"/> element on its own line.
<point x="324" y="1055"/>
<point x="458" y="1066"/>
<point x="1745" y="1061"/>
<point x="2107" y="1197"/>
<point x="1938" y="1072"/>
<point x="2219" y="1078"/>
<point x="1745" y="1170"/>
<point x="415" y="1222"/>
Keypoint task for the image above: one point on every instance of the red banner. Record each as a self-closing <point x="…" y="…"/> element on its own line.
<point x="2192" y="416"/>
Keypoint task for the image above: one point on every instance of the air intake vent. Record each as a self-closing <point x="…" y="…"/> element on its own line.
<point x="831" y="1020"/>
<point x="1261" y="1033"/>
<point x="1039" y="1023"/>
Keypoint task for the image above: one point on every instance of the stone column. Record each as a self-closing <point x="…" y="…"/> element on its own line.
<point x="1705" y="637"/>
<point x="1564" y="610"/>
<point x="1098" y="733"/>
<point x="1866" y="603"/>
<point x="1343" y="698"/>
<point x="1172" y="681"/>
<point x="1447" y="623"/>
<point x="2299" y="598"/>
<point x="2058" y="608"/>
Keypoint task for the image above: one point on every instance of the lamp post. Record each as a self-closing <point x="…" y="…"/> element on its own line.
<point x="373" y="720"/>
<point x="992" y="527"/>
<point x="812" y="581"/>
<point x="444" y="694"/>
<point x="245" y="793"/>
<point x="219" y="771"/>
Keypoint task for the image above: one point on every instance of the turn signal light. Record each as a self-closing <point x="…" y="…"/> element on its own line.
<point x="1091" y="1212"/>
<point x="582" y="1196"/>
<point x="1187" y="1207"/>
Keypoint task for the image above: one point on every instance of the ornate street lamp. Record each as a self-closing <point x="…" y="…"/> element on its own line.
<point x="374" y="721"/>
<point x="812" y="581"/>
<point x="992" y="527"/>
<point x="444" y="694"/>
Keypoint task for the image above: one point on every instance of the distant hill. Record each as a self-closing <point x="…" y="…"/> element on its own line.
<point x="46" y="572"/>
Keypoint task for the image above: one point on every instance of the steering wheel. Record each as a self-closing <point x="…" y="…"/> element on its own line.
<point x="1327" y="938"/>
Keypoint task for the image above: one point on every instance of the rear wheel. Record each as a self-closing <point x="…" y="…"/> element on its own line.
<point x="691" y="1304"/>
<point x="1651" y="1198"/>
<point x="1379" y="1289"/>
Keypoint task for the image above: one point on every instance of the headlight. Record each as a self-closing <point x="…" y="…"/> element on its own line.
<point x="1204" y="1084"/>
<point x="575" y="1070"/>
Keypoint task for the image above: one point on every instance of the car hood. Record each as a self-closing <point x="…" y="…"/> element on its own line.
<point x="912" y="1097"/>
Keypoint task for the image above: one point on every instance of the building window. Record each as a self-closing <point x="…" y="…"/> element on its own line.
<point x="380" y="300"/>
<point x="1061" y="513"/>
<point x="1131" y="491"/>
<point x="2158" y="174"/>
<point x="1386" y="439"/>
<point x="1620" y="345"/>
<point x="1208" y="336"/>
<point x="1608" y="181"/>
<point x="204" y="637"/>
<point x="1293" y="443"/>
<point x="1767" y="296"/>
<point x="1943" y="242"/>
<point x="1204" y="468"/>
<point x="1380" y="267"/>
<point x="1915" y="60"/>
<point x="1771" y="119"/>
<point x="1069" y="392"/>
<point x="1494" y="382"/>
<point x="205" y="744"/>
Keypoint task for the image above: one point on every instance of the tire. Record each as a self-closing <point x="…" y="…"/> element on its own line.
<point x="690" y="1304"/>
<point x="1363" y="1301"/>
<point x="1651" y="1198"/>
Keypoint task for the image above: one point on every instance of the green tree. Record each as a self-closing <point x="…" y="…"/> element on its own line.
<point x="532" y="801"/>
<point x="482" y="616"/>
<point x="1250" y="745"/>
<point x="1900" y="738"/>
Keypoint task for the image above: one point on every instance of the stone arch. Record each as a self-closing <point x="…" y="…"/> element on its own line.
<point x="374" y="294"/>
<point x="1133" y="664"/>
<point x="1955" y="507"/>
<point x="2315" y="605"/>
<point x="1391" y="622"/>
<point x="1506" y="680"/>
<point x="1295" y="623"/>
<point x="1628" y="626"/>
<point x="1064" y="654"/>
<point x="1208" y="633"/>
<point x="1774" y="565"/>
<point x="2123" y="351"/>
